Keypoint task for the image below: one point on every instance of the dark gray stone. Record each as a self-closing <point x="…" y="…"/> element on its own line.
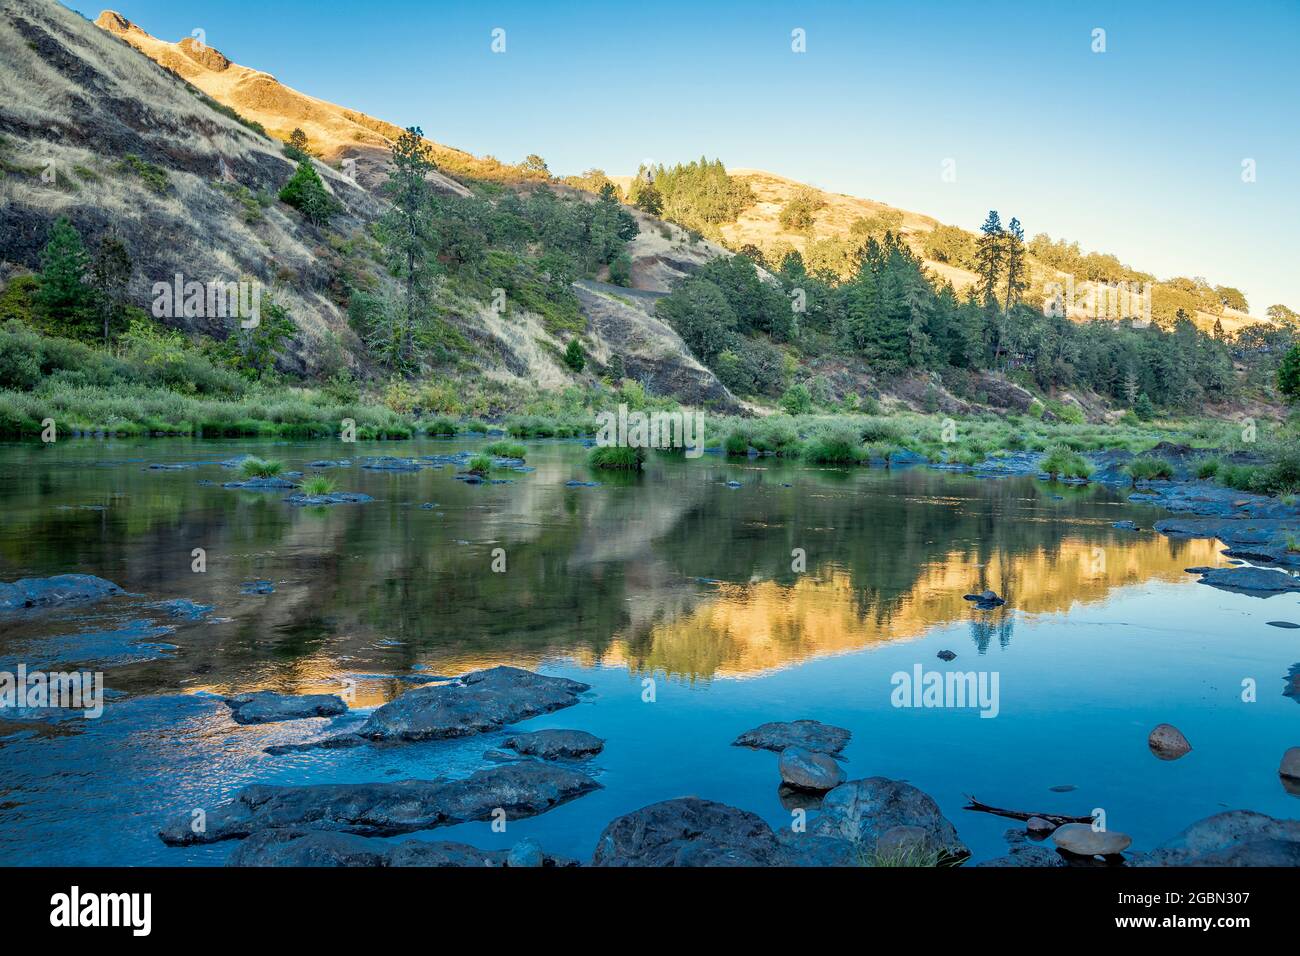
<point x="1232" y="838"/>
<point x="808" y="734"/>
<point x="861" y="810"/>
<point x="809" y="769"/>
<point x="266" y="706"/>
<point x="556" y="744"/>
<point x="54" y="591"/>
<point x="689" y="832"/>
<point x="521" y="789"/>
<point x="296" y="847"/>
<point x="1251" y="580"/>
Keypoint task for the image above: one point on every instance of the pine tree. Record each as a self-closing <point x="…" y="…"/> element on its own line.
<point x="989" y="257"/>
<point x="1014" y="253"/>
<point x="409" y="234"/>
<point x="64" y="295"/>
<point x="306" y="193"/>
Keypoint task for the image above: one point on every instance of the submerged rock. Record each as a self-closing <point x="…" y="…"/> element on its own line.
<point x="1283" y="624"/>
<point x="183" y="608"/>
<point x="946" y="656"/>
<point x="260" y="484"/>
<point x="54" y="591"/>
<point x="526" y="853"/>
<point x="689" y="832"/>
<point x="1125" y="526"/>
<point x="555" y="744"/>
<point x="1251" y="580"/>
<point x="522" y="789"/>
<point x="333" y="498"/>
<point x="266" y="706"/>
<point x="1232" y="838"/>
<point x="297" y="847"/>
<point x="257" y="587"/>
<point x="1082" y="840"/>
<point x="809" y="769"/>
<point x="1039" y="827"/>
<point x="1167" y="742"/>
<point x="809" y="734"/>
<point x="861" y="810"/>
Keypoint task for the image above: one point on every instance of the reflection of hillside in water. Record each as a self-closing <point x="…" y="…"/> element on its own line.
<point x="748" y="629"/>
<point x="603" y="575"/>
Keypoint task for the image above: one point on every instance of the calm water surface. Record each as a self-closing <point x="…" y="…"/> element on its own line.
<point x="671" y="575"/>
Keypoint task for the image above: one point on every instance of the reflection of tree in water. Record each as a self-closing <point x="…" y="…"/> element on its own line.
<point x="983" y="630"/>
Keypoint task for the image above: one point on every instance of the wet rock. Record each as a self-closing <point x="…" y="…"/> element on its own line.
<point x="297" y="847"/>
<point x="1125" y="526"/>
<point x="526" y="853"/>
<point x="556" y="744"/>
<point x="1063" y="788"/>
<point x="809" y="769"/>
<point x="1039" y="827"/>
<point x="809" y="734"/>
<point x="133" y="642"/>
<point x="1251" y="580"/>
<point x="796" y="798"/>
<point x="1082" y="840"/>
<point x="1232" y="838"/>
<point x="257" y="587"/>
<point x="985" y="600"/>
<point x="266" y="706"/>
<point x="1027" y="855"/>
<point x="521" y="789"/>
<point x="861" y="810"/>
<point x="475" y="703"/>
<point x="184" y="608"/>
<point x="1167" y="742"/>
<point x="1290" y="764"/>
<point x="1284" y="624"/>
<point x="689" y="832"/>
<point x="946" y="656"/>
<point x="389" y="463"/>
<point x="902" y="842"/>
<point x="1198" y="570"/>
<point x="61" y="589"/>
<point x="810" y="849"/>
<point x="260" y="484"/>
<point x="574" y="483"/>
<point x="333" y="498"/>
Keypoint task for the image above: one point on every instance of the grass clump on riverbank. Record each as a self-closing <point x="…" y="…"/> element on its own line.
<point x="318" y="485"/>
<point x="261" y="468"/>
<point x="1061" y="462"/>
<point x="507" y="449"/>
<point x="1148" y="469"/>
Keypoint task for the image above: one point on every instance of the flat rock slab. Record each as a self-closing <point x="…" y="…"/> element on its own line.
<point x="689" y="832"/>
<point x="333" y="498"/>
<point x="556" y="744"/>
<point x="475" y="703"/>
<point x="54" y="591"/>
<point x="1284" y="624"/>
<point x="266" y="706"/>
<point x="1082" y="840"/>
<point x="295" y="847"/>
<point x="861" y="810"/>
<point x="523" y="789"/>
<point x="1232" y="838"/>
<point x="1251" y="580"/>
<point x="809" y="734"/>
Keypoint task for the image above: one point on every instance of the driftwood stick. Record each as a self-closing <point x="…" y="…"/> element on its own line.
<point x="1059" y="819"/>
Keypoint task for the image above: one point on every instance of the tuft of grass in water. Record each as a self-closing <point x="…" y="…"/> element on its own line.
<point x="1292" y="543"/>
<point x="1146" y="469"/>
<point x="1062" y="462"/>
<point x="479" y="465"/>
<point x="506" y="449"/>
<point x="617" y="458"/>
<point x="317" y="485"/>
<point x="261" y="468"/>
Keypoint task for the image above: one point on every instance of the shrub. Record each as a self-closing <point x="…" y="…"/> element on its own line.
<point x="479" y="465"/>
<point x="574" y="357"/>
<point x="506" y="449"/>
<point x="306" y="193"/>
<point x="617" y="458"/>
<point x="261" y="468"/>
<point x="797" y="400"/>
<point x="838" y="445"/>
<point x="1146" y="469"/>
<point x="1061" y="462"/>
<point x="1207" y="468"/>
<point x="440" y="426"/>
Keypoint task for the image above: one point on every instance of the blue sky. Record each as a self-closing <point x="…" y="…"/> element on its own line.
<point x="1136" y="151"/>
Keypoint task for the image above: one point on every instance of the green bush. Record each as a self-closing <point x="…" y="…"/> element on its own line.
<point x="440" y="425"/>
<point x="479" y="465"/>
<point x="797" y="400"/>
<point x="1148" y="469"/>
<point x="1062" y="462"/>
<point x="261" y="468"/>
<point x="839" y="444"/>
<point x="1207" y="468"/>
<point x="306" y="192"/>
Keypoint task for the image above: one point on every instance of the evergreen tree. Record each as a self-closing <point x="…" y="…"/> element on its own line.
<point x="1014" y="255"/>
<point x="989" y="257"/>
<point x="574" y="356"/>
<point x="64" y="296"/>
<point x="110" y="272"/>
<point x="409" y="235"/>
<point x="306" y="193"/>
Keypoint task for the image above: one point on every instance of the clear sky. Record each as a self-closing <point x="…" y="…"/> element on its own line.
<point x="1136" y="151"/>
